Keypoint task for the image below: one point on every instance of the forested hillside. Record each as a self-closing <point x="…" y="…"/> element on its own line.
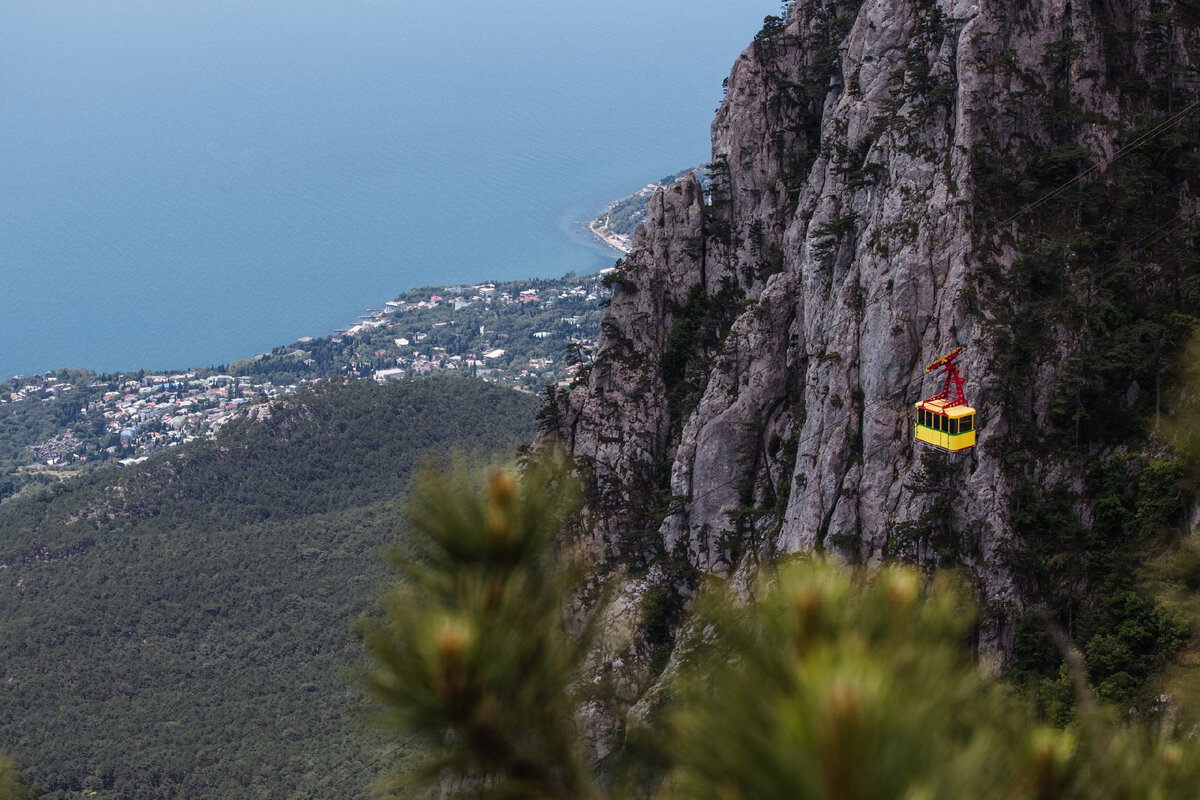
<point x="183" y="628"/>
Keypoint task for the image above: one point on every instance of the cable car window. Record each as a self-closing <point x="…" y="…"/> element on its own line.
<point x="953" y="427"/>
<point x="966" y="422"/>
<point x="941" y="423"/>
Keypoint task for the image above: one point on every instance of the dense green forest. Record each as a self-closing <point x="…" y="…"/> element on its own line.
<point x="1103" y="296"/>
<point x="183" y="627"/>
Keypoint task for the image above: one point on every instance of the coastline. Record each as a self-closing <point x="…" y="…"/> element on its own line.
<point x="631" y="210"/>
<point x="616" y="241"/>
<point x="594" y="229"/>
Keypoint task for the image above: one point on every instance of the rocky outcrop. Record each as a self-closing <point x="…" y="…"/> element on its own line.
<point x="618" y="424"/>
<point x="880" y="170"/>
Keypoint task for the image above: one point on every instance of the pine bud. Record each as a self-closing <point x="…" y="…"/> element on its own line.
<point x="844" y="704"/>
<point x="501" y="490"/>
<point x="1051" y="752"/>
<point x="450" y="646"/>
<point x="502" y="487"/>
<point x="807" y="606"/>
<point x="902" y="588"/>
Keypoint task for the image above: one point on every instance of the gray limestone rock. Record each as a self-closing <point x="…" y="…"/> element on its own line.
<point x="844" y="213"/>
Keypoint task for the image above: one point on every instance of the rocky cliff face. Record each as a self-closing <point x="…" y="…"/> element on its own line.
<point x="882" y="172"/>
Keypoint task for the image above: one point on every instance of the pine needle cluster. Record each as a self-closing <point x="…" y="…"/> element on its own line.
<point x="474" y="658"/>
<point x="826" y="684"/>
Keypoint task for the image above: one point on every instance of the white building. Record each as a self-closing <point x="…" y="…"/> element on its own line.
<point x="385" y="375"/>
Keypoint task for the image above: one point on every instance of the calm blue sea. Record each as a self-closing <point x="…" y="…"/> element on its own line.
<point x="186" y="182"/>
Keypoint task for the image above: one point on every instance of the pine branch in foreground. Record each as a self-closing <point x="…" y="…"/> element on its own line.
<point x="828" y="684"/>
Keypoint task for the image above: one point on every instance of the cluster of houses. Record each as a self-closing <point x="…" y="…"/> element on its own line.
<point x="127" y="416"/>
<point x="162" y="410"/>
<point x="416" y="353"/>
<point x="135" y="415"/>
<point x="483" y="294"/>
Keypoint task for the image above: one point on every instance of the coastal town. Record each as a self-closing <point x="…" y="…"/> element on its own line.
<point x="131" y="415"/>
<point x="515" y="333"/>
<point x="523" y="334"/>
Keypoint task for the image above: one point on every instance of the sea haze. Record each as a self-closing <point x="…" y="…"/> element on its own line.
<point x="187" y="182"/>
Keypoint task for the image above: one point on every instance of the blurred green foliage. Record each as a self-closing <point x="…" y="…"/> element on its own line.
<point x="475" y="644"/>
<point x="824" y="682"/>
<point x="13" y="783"/>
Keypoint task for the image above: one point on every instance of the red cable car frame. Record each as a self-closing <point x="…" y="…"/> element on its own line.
<point x="945" y="421"/>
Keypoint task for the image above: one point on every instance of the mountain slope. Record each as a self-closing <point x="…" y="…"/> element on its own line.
<point x="182" y="627"/>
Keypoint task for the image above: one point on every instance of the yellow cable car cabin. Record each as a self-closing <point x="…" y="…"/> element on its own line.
<point x="948" y="428"/>
<point x="945" y="420"/>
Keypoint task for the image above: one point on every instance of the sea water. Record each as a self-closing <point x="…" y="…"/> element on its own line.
<point x="187" y="182"/>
